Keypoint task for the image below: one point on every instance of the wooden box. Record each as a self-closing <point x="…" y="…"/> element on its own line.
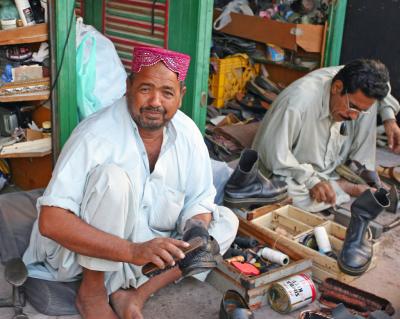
<point x="31" y="172"/>
<point x="254" y="288"/>
<point x="295" y="221"/>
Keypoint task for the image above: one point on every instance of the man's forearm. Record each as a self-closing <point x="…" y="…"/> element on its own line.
<point x="76" y="235"/>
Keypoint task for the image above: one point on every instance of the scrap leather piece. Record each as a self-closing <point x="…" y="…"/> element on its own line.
<point x="242" y="134"/>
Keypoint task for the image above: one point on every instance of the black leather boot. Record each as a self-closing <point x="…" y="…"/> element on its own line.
<point x="356" y="253"/>
<point x="247" y="186"/>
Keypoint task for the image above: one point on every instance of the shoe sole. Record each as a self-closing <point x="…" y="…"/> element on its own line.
<point x="246" y="202"/>
<point x="356" y="272"/>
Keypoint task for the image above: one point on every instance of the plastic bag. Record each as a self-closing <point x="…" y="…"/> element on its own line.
<point x="101" y="77"/>
<point x="8" y="10"/>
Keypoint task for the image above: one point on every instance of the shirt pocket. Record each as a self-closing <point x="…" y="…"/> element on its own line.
<point x="167" y="208"/>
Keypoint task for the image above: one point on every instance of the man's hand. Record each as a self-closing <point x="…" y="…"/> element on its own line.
<point x="323" y="192"/>
<point x="159" y="251"/>
<point x="393" y="134"/>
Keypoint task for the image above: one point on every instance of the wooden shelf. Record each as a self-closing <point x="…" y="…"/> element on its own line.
<point x="37" y="96"/>
<point x="28" y="154"/>
<point x="286" y="64"/>
<point x="30" y="34"/>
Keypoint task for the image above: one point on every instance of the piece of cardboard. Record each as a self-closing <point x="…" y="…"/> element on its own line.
<point x="32" y="135"/>
<point x="309" y="37"/>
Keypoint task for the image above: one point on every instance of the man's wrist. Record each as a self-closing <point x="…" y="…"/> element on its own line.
<point x="387" y="114"/>
<point x="133" y="252"/>
<point x="389" y="122"/>
<point x="312" y="181"/>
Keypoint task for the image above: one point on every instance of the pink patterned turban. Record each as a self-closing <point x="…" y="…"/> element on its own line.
<point x="147" y="56"/>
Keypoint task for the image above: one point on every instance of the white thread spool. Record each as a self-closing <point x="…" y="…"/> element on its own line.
<point x="25" y="12"/>
<point x="274" y="256"/>
<point x="321" y="236"/>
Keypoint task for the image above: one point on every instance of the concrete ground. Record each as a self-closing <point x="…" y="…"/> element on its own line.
<point x="197" y="300"/>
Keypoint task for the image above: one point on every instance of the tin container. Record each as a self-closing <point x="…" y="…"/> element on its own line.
<point x="292" y="293"/>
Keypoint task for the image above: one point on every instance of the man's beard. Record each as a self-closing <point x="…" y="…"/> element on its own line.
<point x="144" y="122"/>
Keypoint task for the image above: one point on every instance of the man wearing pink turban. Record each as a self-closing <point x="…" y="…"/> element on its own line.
<point x="132" y="179"/>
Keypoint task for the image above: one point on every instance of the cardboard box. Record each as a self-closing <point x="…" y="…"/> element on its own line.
<point x="290" y="36"/>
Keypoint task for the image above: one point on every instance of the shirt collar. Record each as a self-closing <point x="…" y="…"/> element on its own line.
<point x="326" y="97"/>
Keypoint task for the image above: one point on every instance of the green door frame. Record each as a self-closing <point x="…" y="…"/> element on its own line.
<point x="334" y="38"/>
<point x="67" y="117"/>
<point x="93" y="13"/>
<point x="189" y="31"/>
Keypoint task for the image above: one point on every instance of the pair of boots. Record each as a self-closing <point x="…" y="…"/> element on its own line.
<point x="356" y="253"/>
<point x="248" y="187"/>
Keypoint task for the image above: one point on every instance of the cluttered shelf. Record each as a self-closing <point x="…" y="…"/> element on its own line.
<point x="29" y="90"/>
<point x="31" y="148"/>
<point x="28" y="34"/>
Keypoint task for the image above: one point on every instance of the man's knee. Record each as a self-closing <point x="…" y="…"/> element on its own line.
<point x="225" y="228"/>
<point x="231" y="222"/>
<point x="109" y="176"/>
<point x="108" y="202"/>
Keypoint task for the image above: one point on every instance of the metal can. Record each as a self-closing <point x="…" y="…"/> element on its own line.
<point x="292" y="293"/>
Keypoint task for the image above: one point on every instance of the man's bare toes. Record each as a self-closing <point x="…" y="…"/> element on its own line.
<point x="94" y="308"/>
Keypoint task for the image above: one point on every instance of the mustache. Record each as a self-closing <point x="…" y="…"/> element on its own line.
<point x="149" y="108"/>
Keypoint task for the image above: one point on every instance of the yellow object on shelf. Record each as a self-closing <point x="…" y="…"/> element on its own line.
<point x="230" y="77"/>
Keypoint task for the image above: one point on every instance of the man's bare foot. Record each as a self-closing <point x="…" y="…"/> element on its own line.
<point x="127" y="303"/>
<point x="93" y="306"/>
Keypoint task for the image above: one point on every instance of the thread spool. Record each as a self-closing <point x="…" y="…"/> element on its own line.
<point x="274" y="256"/>
<point x="321" y="236"/>
<point x="25" y="12"/>
<point x="292" y="293"/>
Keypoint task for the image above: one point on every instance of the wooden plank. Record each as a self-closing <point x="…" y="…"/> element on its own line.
<point x="301" y="215"/>
<point x="37" y="96"/>
<point x="263" y="279"/>
<point x="26" y="154"/>
<point x="36" y="148"/>
<point x="29" y="34"/>
<point x="286" y="35"/>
